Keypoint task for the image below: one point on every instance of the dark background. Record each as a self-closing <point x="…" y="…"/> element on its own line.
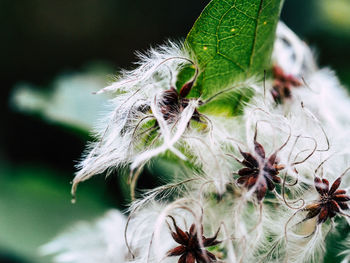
<point x="40" y="40"/>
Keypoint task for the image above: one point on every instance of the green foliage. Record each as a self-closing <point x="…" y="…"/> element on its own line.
<point x="333" y="248"/>
<point x="230" y="105"/>
<point x="36" y="205"/>
<point x="232" y="40"/>
<point x="70" y="102"/>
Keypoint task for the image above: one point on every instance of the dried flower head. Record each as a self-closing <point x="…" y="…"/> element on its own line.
<point x="173" y="103"/>
<point x="283" y="84"/>
<point x="260" y="171"/>
<point x="192" y="245"/>
<point x="331" y="200"/>
<point x="142" y="95"/>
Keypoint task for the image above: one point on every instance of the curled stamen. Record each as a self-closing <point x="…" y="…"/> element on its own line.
<point x="343" y="214"/>
<point x="146" y="199"/>
<point x="234" y="157"/>
<point x="134" y="176"/>
<point x="292" y="149"/>
<point x="313" y="232"/>
<point x="284" y="144"/>
<point x="295" y="182"/>
<point x="149" y="130"/>
<point x="237" y="86"/>
<point x="308" y="156"/>
<point x="346" y="170"/>
<point x="284" y="197"/>
<point x="138" y="125"/>
<point x="172" y="58"/>
<point x="321" y="164"/>
<point x="286" y="141"/>
<point x="289" y="157"/>
<point x="288" y="221"/>
<point x="313" y="117"/>
<point x="126" y="237"/>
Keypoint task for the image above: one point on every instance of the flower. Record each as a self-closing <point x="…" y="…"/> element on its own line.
<point x="192" y="244"/>
<point x="142" y="95"/>
<point x="149" y="116"/>
<point x="331" y="200"/>
<point x="283" y="84"/>
<point x="259" y="172"/>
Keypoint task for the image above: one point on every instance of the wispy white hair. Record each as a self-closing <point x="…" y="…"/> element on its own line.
<point x="313" y="129"/>
<point x="101" y="241"/>
<point x="135" y="91"/>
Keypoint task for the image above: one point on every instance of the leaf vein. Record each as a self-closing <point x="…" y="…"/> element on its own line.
<point x="231" y="60"/>
<point x="255" y="35"/>
<point x="243" y="13"/>
<point x="213" y="17"/>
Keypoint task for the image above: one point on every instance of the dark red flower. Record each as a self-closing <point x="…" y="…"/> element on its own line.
<point x="191" y="250"/>
<point x="260" y="171"/>
<point x="283" y="84"/>
<point x="173" y="103"/>
<point x="331" y="200"/>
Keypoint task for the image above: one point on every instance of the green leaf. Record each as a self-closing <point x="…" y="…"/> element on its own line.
<point x="69" y="101"/>
<point x="232" y="40"/>
<point x="36" y="205"/>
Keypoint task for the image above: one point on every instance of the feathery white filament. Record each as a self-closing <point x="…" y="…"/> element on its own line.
<point x="169" y="140"/>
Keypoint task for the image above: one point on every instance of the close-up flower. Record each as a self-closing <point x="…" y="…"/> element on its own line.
<point x="192" y="245"/>
<point x="229" y="144"/>
<point x="331" y="202"/>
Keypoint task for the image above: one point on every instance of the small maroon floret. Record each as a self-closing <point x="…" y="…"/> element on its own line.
<point x="190" y="249"/>
<point x="259" y="171"/>
<point x="173" y="103"/>
<point x="331" y="200"/>
<point x="283" y="84"/>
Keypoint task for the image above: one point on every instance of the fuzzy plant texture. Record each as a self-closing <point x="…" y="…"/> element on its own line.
<point x="259" y="136"/>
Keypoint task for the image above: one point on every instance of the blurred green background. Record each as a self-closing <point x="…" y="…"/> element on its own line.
<point x="54" y="54"/>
